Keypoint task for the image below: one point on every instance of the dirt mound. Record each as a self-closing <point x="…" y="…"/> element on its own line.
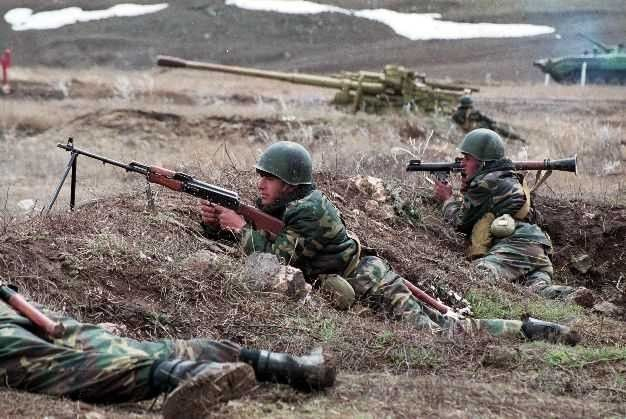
<point x="589" y="244"/>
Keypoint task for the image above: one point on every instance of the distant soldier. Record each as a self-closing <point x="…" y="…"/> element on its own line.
<point x="469" y="118"/>
<point x="88" y="363"/>
<point x="496" y="215"/>
<point x="315" y="240"/>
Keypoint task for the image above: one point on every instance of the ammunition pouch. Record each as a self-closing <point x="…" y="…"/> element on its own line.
<point x="481" y="238"/>
<point x="503" y="226"/>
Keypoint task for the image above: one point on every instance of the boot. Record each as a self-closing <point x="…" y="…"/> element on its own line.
<point x="315" y="371"/>
<point x="535" y="329"/>
<point x="198" y="386"/>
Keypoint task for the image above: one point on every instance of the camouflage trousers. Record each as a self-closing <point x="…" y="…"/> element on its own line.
<point x="376" y="284"/>
<point x="519" y="260"/>
<point x="89" y="363"/>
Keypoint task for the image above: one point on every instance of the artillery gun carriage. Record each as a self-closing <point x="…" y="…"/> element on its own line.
<point x="395" y="88"/>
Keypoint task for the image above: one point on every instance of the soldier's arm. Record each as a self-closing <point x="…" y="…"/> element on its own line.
<point x="302" y="224"/>
<point x="464" y="214"/>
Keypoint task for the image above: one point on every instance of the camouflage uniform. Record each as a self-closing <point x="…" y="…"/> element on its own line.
<point x="469" y="119"/>
<point x="525" y="253"/>
<point x="316" y="241"/>
<point x="87" y="362"/>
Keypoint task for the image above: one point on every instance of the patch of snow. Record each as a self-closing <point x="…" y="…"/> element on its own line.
<point x="23" y="19"/>
<point x="413" y="26"/>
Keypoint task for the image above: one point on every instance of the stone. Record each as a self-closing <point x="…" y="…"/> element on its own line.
<point x="581" y="263"/>
<point x="264" y="272"/>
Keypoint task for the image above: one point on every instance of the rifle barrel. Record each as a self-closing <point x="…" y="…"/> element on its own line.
<point x="133" y="167"/>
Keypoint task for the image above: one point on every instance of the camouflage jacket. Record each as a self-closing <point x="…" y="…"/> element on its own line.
<point x="314" y="239"/>
<point x="496" y="188"/>
<point x="469" y="119"/>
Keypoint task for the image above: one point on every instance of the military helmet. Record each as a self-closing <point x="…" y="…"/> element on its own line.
<point x="288" y="161"/>
<point x="483" y="144"/>
<point x="466" y="100"/>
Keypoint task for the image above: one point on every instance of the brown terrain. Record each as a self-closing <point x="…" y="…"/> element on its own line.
<point x="116" y="259"/>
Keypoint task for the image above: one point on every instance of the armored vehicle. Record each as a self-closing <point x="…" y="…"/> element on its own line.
<point x="394" y="88"/>
<point x="605" y="65"/>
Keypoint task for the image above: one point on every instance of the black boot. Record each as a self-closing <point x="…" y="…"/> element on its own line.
<point x="198" y="386"/>
<point x="535" y="329"/>
<point x="315" y="371"/>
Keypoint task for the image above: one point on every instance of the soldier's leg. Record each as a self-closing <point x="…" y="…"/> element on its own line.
<point x="378" y="285"/>
<point x="88" y="337"/>
<point x="31" y="363"/>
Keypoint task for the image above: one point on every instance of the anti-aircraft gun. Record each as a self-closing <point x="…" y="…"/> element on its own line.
<point x="394" y="88"/>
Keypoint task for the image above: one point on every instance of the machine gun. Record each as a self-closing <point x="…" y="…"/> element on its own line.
<point x="395" y="88"/>
<point x="177" y="181"/>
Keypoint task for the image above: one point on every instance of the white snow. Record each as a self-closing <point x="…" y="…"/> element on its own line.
<point x="413" y="26"/>
<point x="23" y="19"/>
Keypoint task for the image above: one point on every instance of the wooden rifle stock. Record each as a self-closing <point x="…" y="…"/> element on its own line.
<point x="19" y="304"/>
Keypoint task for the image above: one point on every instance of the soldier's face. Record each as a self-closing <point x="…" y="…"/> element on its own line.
<point x="271" y="189"/>
<point x="471" y="165"/>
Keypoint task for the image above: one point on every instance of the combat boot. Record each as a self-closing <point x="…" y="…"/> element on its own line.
<point x="315" y="371"/>
<point x="535" y="329"/>
<point x="198" y="386"/>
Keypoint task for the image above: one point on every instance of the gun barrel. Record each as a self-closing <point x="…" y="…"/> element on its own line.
<point x="368" y="87"/>
<point x="133" y="167"/>
<point x="566" y="165"/>
<point x="599" y="44"/>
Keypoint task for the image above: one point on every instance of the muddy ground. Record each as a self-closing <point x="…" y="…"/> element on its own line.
<point x="117" y="259"/>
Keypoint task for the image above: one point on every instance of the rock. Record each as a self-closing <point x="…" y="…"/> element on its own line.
<point x="371" y="186"/>
<point x="203" y="260"/>
<point x="264" y="272"/>
<point x="608" y="308"/>
<point x="581" y="263"/>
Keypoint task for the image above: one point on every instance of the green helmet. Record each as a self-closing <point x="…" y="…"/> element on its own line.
<point x="466" y="100"/>
<point x="483" y="144"/>
<point x="288" y="161"/>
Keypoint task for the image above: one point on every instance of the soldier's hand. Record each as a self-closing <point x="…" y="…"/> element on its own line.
<point x="209" y="213"/>
<point x="442" y="191"/>
<point x="229" y="219"/>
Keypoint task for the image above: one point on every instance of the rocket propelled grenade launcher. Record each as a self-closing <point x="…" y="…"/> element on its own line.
<point x="393" y="88"/>
<point x="566" y="165"/>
